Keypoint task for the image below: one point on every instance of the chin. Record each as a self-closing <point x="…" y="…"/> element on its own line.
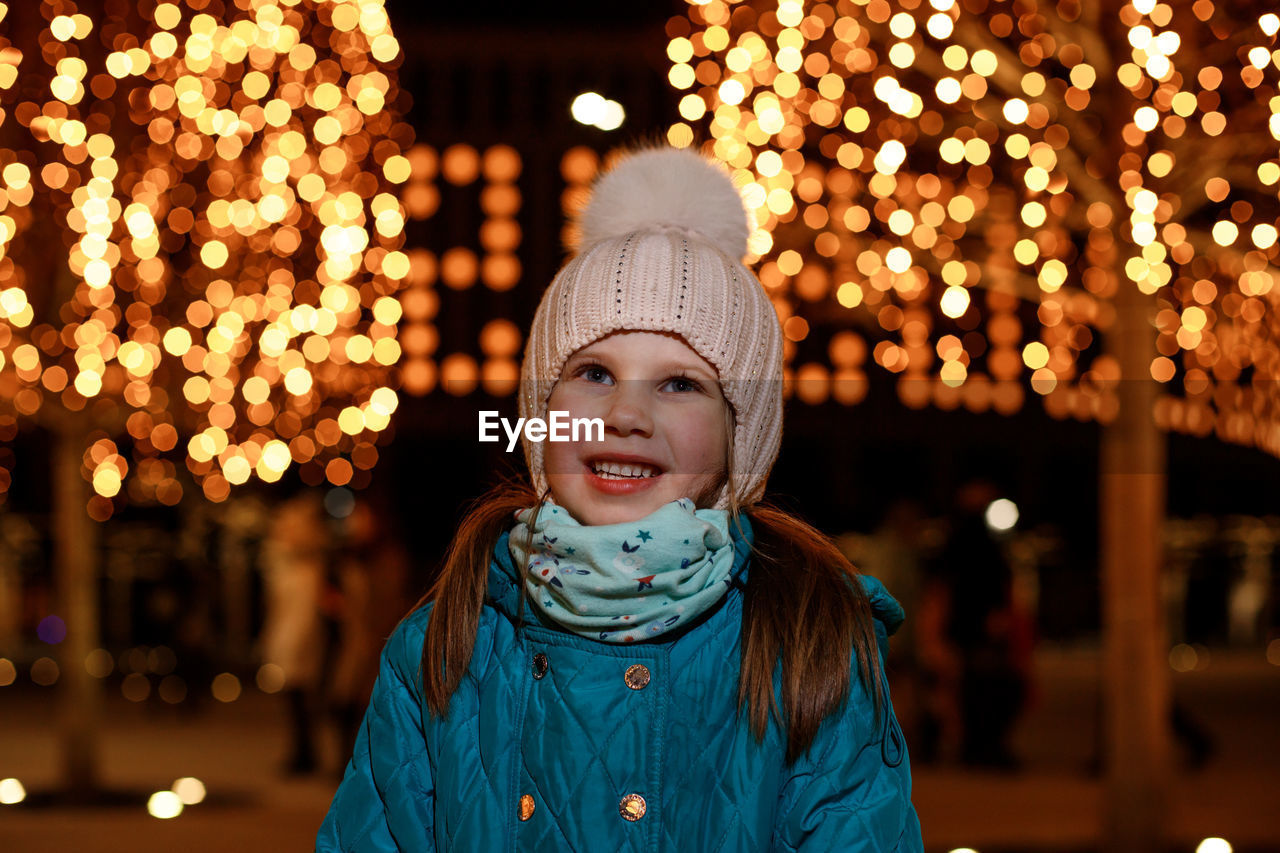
<point x="619" y="512"/>
<point x="593" y="501"/>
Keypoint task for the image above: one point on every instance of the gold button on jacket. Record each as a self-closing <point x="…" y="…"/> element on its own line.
<point x="632" y="807"/>
<point x="637" y="676"/>
<point x="526" y="806"/>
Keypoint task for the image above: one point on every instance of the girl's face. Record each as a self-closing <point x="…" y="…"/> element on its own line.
<point x="665" y="429"/>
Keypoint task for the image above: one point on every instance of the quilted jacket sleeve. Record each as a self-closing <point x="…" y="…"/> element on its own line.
<point x="385" y="803"/>
<point x="853" y="791"/>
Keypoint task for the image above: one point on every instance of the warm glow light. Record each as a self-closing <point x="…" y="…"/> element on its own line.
<point x="190" y="790"/>
<point x="930" y="185"/>
<point x="955" y="301"/>
<point x="225" y="687"/>
<point x="1214" y="845"/>
<point x="164" y="805"/>
<point x="594" y="109"/>
<point x="1035" y="355"/>
<point x="1001" y="514"/>
<point x="12" y="791"/>
<point x="219" y="194"/>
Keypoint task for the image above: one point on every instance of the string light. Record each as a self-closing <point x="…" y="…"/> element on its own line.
<point x="201" y="236"/>
<point x="951" y="172"/>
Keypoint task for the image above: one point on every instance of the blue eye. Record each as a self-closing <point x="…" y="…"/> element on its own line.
<point x="593" y="373"/>
<point x="682" y="384"/>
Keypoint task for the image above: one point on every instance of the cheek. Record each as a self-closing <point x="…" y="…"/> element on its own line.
<point x="560" y="457"/>
<point x="702" y="446"/>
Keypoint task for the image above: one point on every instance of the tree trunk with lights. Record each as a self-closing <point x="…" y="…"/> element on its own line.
<point x="1131" y="482"/>
<point x="76" y="563"/>
<point x="1136" y="684"/>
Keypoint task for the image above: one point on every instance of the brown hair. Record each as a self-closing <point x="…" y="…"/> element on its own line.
<point x="803" y="606"/>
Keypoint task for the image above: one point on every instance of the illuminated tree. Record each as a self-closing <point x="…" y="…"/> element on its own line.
<point x="1075" y="199"/>
<point x="897" y="157"/>
<point x="199" y="254"/>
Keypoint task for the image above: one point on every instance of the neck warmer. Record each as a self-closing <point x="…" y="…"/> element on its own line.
<point x="620" y="583"/>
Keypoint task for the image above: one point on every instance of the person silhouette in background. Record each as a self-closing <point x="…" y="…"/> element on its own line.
<point x="974" y="642"/>
<point x="372" y="582"/>
<point x="894" y="553"/>
<point x="294" y="561"/>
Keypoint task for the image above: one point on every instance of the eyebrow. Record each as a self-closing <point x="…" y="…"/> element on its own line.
<point x="664" y="368"/>
<point x="685" y="367"/>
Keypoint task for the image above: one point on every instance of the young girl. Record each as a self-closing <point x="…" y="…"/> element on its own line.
<point x="635" y="654"/>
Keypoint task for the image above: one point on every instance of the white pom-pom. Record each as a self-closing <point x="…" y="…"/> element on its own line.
<point x="666" y="188"/>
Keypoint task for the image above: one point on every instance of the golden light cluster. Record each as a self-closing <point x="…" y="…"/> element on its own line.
<point x="201" y="237"/>
<point x="962" y="187"/>
<point x="494" y="172"/>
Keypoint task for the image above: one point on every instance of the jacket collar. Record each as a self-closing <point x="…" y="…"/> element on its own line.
<point x="884" y="607"/>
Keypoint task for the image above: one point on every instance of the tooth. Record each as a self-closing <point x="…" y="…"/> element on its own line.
<point x="617" y="470"/>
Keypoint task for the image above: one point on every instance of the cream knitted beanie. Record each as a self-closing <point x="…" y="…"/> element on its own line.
<point x="662" y="240"/>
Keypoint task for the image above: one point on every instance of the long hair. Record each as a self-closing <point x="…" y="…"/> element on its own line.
<point x="803" y="608"/>
<point x="459" y="590"/>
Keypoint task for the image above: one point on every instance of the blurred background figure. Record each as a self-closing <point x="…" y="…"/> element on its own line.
<point x="372" y="579"/>
<point x="295" y="558"/>
<point x="974" y="641"/>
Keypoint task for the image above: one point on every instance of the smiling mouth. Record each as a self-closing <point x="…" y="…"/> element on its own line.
<point x="606" y="470"/>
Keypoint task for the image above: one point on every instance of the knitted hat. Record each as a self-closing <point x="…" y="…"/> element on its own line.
<point x="662" y="240"/>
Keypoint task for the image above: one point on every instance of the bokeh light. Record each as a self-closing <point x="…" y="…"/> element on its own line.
<point x="225" y="687"/>
<point x="12" y="792"/>
<point x="953" y="182"/>
<point x="52" y="629"/>
<point x="99" y="663"/>
<point x="200" y="210"/>
<point x="135" y="687"/>
<point x="190" y="790"/>
<point x="592" y="108"/>
<point x="270" y="678"/>
<point x="44" y="671"/>
<point x="164" y="805"/>
<point x="1001" y="515"/>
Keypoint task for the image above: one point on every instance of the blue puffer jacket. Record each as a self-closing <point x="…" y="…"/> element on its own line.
<point x="554" y="742"/>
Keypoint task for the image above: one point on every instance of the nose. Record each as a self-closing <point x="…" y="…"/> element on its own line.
<point x="628" y="411"/>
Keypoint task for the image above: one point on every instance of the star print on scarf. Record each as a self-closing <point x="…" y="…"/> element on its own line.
<point x="620" y="583"/>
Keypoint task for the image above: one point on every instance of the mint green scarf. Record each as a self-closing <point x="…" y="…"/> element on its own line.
<point x="624" y="582"/>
